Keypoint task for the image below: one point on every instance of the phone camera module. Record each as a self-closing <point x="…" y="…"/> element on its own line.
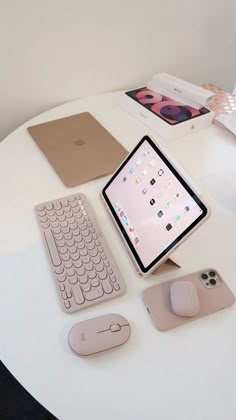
<point x="204" y="276"/>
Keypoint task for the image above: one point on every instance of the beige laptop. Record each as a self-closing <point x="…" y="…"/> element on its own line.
<point x="78" y="147"/>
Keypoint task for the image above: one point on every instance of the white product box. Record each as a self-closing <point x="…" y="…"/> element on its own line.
<point x="165" y="127"/>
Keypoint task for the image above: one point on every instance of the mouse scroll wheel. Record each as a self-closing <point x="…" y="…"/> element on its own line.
<point x="115" y="327"/>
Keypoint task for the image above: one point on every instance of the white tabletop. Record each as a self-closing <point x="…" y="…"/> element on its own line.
<point x="187" y="373"/>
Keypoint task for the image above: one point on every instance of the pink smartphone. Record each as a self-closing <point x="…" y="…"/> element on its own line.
<point x="213" y="295"/>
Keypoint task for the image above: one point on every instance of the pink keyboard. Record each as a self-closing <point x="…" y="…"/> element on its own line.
<point x="83" y="267"/>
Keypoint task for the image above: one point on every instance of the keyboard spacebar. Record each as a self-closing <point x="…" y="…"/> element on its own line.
<point x="52" y="247"/>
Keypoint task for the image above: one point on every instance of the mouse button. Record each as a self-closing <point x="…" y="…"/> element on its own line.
<point x="115" y="327"/>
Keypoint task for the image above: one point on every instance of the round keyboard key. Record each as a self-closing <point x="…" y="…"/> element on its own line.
<point x="83" y="279"/>
<point x="61" y="277"/>
<point x="67" y="304"/>
<point x="60" y="212"/>
<point x="62" y="287"/>
<point x="92" y="274"/>
<point x="68" y="235"/>
<point x="57" y="230"/>
<point x="90" y="225"/>
<point x="78" y="238"/>
<point x="51" y="213"/>
<point x="97" y="259"/>
<point x="64" y="202"/>
<point x="95" y="236"/>
<point x="80" y="245"/>
<point x="40" y="207"/>
<point x="109" y="270"/>
<point x="102" y="275"/>
<point x="87" y="218"/>
<point x="75" y="210"/>
<point x="61" y="242"/>
<point x="103" y="256"/>
<point x="68" y="264"/>
<point x="86" y="287"/>
<point x="113" y="278"/>
<point x="79" y="199"/>
<point x="106" y="262"/>
<point x="89" y="266"/>
<point x="91" y="246"/>
<point x="80" y="221"/>
<point x="65" y="257"/>
<point x="76" y="232"/>
<point x="55" y="224"/>
<point x="69" y="294"/>
<point x="63" y="250"/>
<point x="72" y="249"/>
<point x="43" y="219"/>
<point x="85" y="232"/>
<point x="107" y="287"/>
<point x="100" y="249"/>
<point x="116" y="286"/>
<point x="73" y="279"/>
<point x="86" y="259"/>
<point x="49" y="206"/>
<point x="41" y="213"/>
<point x="78" y="263"/>
<point x="70" y="242"/>
<point x="73" y="226"/>
<point x="83" y="252"/>
<point x="83" y="228"/>
<point x="71" y="220"/>
<point x="75" y="256"/>
<point x="53" y="219"/>
<point x="84" y="212"/>
<point x="69" y="214"/>
<point x="82" y="207"/>
<point x="64" y="224"/>
<point x="95" y="282"/>
<point x="99" y="267"/>
<point x="88" y="239"/>
<point x="58" y="236"/>
<point x="62" y="218"/>
<point x="70" y="271"/>
<point x="67" y="209"/>
<point x="97" y="242"/>
<point x="80" y="271"/>
<point x="59" y="270"/>
<point x="64" y="295"/>
<point x="92" y="230"/>
<point x="57" y="205"/>
<point x="65" y="229"/>
<point x="71" y="198"/>
<point x="45" y="225"/>
<point x="73" y="204"/>
<point x="92" y="252"/>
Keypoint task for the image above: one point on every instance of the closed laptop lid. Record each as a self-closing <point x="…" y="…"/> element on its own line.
<point x="78" y="147"/>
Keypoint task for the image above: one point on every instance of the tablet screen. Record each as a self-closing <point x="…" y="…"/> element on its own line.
<point x="152" y="204"/>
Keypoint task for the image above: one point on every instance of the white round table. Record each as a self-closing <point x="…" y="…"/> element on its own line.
<point x="187" y="373"/>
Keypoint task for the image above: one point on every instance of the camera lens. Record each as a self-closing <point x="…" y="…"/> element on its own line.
<point x="212" y="274"/>
<point x="212" y="281"/>
<point x="204" y="276"/>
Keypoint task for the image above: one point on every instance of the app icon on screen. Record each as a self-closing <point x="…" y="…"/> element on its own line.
<point x="169" y="227"/>
<point x="177" y="217"/>
<point x="152" y="182"/>
<point x="124" y="218"/>
<point x="160" y="172"/>
<point x="124" y="179"/>
<point x="131" y="170"/>
<point x="144" y="190"/>
<point x="160" y="213"/>
<point x="145" y="172"/>
<point x="138" y="162"/>
<point x="116" y="204"/>
<point x="152" y="162"/>
<point x="159" y="194"/>
<point x="187" y="208"/>
<point x="168" y="184"/>
<point x="152" y="201"/>
<point x="145" y="153"/>
<point x="177" y="196"/>
<point x="136" y="240"/>
<point x="138" y="180"/>
<point x="168" y="205"/>
<point x="122" y="213"/>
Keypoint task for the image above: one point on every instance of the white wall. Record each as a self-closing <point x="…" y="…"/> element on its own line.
<point x="54" y="51"/>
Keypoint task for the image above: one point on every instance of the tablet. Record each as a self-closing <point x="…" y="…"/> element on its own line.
<point x="153" y="205"/>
